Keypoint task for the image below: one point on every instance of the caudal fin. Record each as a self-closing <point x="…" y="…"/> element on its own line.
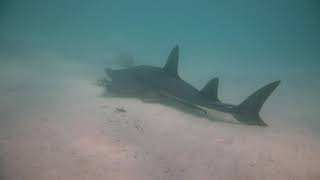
<point x="248" y="111"/>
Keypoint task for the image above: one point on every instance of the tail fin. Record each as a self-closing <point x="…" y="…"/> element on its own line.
<point x="248" y="111"/>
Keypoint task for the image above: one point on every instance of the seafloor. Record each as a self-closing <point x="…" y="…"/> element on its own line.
<point x="55" y="125"/>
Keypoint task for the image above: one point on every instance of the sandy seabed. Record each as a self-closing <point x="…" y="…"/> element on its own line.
<point x="56" y="127"/>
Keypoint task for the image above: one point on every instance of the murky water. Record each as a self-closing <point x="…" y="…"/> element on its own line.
<point x="55" y="122"/>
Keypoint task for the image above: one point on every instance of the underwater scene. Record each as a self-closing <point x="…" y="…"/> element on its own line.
<point x="143" y="90"/>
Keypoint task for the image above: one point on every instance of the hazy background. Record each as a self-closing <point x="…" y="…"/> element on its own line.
<point x="246" y="44"/>
<point x="52" y="51"/>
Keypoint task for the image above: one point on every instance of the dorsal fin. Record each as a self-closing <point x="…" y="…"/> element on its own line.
<point x="210" y="90"/>
<point x="171" y="66"/>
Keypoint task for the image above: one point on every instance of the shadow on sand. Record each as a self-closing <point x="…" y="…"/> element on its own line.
<point x="170" y="103"/>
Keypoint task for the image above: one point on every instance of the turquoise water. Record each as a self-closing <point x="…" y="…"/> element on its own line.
<point x="247" y="44"/>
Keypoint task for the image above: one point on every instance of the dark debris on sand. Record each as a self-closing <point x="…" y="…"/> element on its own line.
<point x="120" y="110"/>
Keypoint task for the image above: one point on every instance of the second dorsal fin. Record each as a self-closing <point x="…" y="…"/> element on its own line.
<point x="171" y="66"/>
<point x="210" y="90"/>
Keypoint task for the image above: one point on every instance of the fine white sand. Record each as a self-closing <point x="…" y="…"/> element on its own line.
<point x="55" y="125"/>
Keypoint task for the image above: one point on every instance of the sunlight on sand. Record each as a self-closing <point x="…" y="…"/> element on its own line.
<point x="67" y="131"/>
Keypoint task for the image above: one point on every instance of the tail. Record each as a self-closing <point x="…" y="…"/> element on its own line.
<point x="248" y="111"/>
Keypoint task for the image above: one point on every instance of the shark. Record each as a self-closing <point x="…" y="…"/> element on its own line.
<point x="151" y="83"/>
